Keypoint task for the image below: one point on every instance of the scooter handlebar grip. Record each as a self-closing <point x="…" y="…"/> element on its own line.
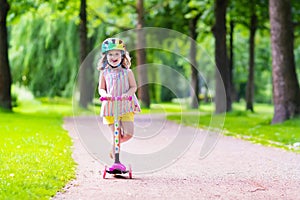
<point x="103" y="98"/>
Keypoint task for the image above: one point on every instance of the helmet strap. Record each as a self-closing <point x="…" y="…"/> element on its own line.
<point x="115" y="66"/>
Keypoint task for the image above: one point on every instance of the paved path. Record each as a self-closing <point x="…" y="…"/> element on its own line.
<point x="234" y="169"/>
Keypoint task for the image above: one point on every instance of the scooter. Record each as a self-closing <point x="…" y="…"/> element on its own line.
<point x="117" y="168"/>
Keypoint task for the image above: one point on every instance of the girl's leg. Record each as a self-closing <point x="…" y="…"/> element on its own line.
<point x="127" y="131"/>
<point x="109" y="121"/>
<point x="125" y="138"/>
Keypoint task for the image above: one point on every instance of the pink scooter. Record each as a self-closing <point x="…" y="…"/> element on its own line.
<point x="117" y="168"/>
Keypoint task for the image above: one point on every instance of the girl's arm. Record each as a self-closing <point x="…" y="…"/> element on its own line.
<point x="132" y="84"/>
<point x="102" y="86"/>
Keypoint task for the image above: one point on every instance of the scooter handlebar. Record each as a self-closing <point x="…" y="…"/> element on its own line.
<point x="118" y="98"/>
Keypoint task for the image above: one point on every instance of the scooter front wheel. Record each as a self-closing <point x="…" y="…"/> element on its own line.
<point x="104" y="172"/>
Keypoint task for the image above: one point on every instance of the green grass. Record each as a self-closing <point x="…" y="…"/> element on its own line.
<point x="35" y="151"/>
<point x="254" y="127"/>
<point x="173" y="108"/>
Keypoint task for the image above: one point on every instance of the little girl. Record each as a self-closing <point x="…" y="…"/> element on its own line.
<point x="115" y="80"/>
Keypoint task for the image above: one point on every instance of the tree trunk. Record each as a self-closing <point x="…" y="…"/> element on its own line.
<point x="143" y="89"/>
<point x="233" y="94"/>
<point x="250" y="83"/>
<point x="286" y="92"/>
<point x="85" y="72"/>
<point x="5" y="76"/>
<point x="222" y="96"/>
<point x="193" y="53"/>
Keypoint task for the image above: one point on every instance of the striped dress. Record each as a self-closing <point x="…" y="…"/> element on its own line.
<point x="117" y="83"/>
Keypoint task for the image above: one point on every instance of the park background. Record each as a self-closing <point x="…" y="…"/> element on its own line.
<point x="43" y="44"/>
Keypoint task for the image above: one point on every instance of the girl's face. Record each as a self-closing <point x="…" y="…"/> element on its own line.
<point x="114" y="57"/>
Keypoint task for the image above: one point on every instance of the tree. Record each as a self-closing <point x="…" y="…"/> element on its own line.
<point x="193" y="13"/>
<point x="250" y="82"/>
<point x="187" y="15"/>
<point x="143" y="90"/>
<point x="252" y="15"/>
<point x="286" y="91"/>
<point x="233" y="94"/>
<point x="222" y="78"/>
<point x="53" y="57"/>
<point x="5" y="76"/>
<point x="85" y="73"/>
<point x="193" y="53"/>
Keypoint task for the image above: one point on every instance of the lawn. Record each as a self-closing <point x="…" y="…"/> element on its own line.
<point x="254" y="127"/>
<point x="35" y="151"/>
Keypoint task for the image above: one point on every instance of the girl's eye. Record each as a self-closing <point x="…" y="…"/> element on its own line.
<point x="116" y="54"/>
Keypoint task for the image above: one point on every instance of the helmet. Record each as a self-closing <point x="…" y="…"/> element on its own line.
<point x="112" y="44"/>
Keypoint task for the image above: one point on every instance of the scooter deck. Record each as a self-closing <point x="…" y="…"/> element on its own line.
<point x="116" y="171"/>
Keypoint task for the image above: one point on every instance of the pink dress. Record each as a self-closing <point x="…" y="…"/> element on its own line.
<point x="117" y="83"/>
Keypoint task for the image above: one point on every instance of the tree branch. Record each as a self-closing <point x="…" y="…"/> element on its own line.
<point x="94" y="13"/>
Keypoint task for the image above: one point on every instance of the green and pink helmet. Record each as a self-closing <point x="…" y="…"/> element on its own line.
<point x="112" y="44"/>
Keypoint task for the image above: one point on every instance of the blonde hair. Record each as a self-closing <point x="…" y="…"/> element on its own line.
<point x="103" y="63"/>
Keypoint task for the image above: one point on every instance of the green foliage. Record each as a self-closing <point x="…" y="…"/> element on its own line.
<point x="174" y="89"/>
<point x="240" y="12"/>
<point x="44" y="55"/>
<point x="35" y="151"/>
<point x="296" y="18"/>
<point x="44" y="44"/>
<point x="167" y="108"/>
<point x="118" y="15"/>
<point x="254" y="127"/>
<point x="263" y="73"/>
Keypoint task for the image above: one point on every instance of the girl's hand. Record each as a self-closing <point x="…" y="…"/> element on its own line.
<point x="107" y="96"/>
<point x="125" y="96"/>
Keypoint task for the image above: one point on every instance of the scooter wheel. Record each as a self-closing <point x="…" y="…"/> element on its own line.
<point x="104" y="172"/>
<point x="130" y="172"/>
